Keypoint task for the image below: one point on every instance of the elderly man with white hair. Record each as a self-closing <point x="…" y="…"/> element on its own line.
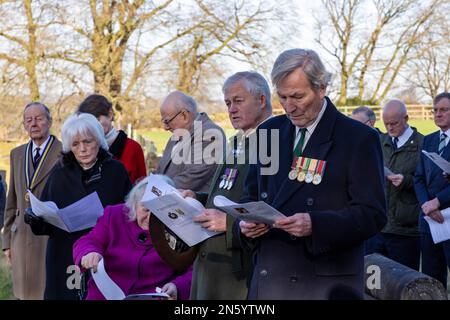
<point x="186" y="158"/>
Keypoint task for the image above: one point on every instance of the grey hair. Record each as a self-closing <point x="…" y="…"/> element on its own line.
<point x="136" y="194"/>
<point x="254" y="83"/>
<point x="184" y="101"/>
<point x="440" y="96"/>
<point x="367" y="111"/>
<point x="399" y="105"/>
<point x="83" y="124"/>
<point x="43" y="106"/>
<point x="308" y="60"/>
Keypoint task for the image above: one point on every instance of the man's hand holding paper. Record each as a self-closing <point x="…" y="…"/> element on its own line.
<point x="212" y="219"/>
<point x="298" y="225"/>
<point x="253" y="230"/>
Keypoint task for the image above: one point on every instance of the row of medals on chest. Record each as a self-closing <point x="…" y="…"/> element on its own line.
<point x="307" y="170"/>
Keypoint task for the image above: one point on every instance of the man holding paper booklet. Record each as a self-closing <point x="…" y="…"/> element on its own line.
<point x="330" y="186"/>
<point x="433" y="193"/>
<point x="222" y="268"/>
<point x="86" y="167"/>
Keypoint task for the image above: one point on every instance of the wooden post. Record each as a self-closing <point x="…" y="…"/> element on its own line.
<point x="398" y="282"/>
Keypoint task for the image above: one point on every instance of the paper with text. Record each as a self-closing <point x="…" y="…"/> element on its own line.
<point x="80" y="215"/>
<point x="251" y="211"/>
<point x="438" y="160"/>
<point x="440" y="231"/>
<point x="176" y="213"/>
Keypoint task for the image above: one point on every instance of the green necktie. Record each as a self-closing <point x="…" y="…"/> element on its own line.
<point x="299" y="146"/>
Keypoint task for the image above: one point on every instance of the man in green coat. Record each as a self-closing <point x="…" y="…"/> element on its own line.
<point x="221" y="268"/>
<point x="399" y="240"/>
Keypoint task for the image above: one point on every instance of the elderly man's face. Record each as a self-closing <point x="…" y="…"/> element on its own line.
<point x="172" y="118"/>
<point x="442" y="114"/>
<point x="395" y="122"/>
<point x="36" y="123"/>
<point x="85" y="148"/>
<point x="301" y="102"/>
<point x="244" y="109"/>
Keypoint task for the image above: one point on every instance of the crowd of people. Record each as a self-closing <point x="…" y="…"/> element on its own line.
<point x="346" y="190"/>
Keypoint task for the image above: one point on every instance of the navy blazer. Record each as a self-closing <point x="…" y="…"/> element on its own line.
<point x="429" y="181"/>
<point x="346" y="208"/>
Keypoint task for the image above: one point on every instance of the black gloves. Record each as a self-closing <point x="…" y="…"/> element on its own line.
<point x="32" y="219"/>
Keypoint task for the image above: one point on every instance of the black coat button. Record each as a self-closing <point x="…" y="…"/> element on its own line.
<point x="263" y="195"/>
<point x="263" y="273"/>
<point x="294" y="279"/>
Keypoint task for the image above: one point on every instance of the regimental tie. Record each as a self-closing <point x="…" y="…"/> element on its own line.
<point x="395" y="143"/>
<point x="297" y="155"/>
<point x="36" y="157"/>
<point x="442" y="143"/>
<point x="299" y="146"/>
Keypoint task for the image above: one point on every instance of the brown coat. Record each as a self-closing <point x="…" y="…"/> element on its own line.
<point x="27" y="250"/>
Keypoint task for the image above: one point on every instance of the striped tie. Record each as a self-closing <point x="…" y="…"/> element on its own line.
<point x="442" y="143"/>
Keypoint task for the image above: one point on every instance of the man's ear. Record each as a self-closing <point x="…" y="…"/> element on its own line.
<point x="111" y="115"/>
<point x="262" y="100"/>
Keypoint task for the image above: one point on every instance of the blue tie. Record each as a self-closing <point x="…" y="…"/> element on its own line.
<point x="442" y="143"/>
<point x="395" y="143"/>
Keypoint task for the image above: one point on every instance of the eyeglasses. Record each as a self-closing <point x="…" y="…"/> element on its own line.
<point x="441" y="110"/>
<point x="168" y="121"/>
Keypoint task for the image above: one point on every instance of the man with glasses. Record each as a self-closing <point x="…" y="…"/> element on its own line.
<point x="433" y="192"/>
<point x="365" y="115"/>
<point x="187" y="158"/>
<point x="399" y="239"/>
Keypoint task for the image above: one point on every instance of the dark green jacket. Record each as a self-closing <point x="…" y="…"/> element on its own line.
<point x="403" y="207"/>
<point x="222" y="267"/>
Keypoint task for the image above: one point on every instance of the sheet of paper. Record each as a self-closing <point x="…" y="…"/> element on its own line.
<point x="438" y="160"/>
<point x="251" y="211"/>
<point x="46" y="210"/>
<point x="109" y="289"/>
<point x="176" y="213"/>
<point x="440" y="231"/>
<point x="82" y="214"/>
<point x="387" y="172"/>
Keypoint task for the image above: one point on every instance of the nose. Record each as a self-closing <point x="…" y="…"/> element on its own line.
<point x="289" y="105"/>
<point x="233" y="108"/>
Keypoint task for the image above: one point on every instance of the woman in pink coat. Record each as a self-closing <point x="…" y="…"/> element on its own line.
<point x="122" y="239"/>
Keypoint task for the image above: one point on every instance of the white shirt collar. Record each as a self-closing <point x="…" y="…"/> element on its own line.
<point x="41" y="147"/>
<point x="403" y="138"/>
